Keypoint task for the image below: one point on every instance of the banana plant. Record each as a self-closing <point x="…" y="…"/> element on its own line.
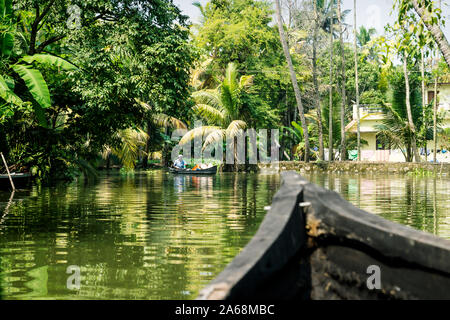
<point x="34" y="81"/>
<point x="24" y="68"/>
<point x="7" y="27"/>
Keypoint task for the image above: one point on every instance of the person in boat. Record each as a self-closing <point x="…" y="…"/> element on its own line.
<point x="179" y="163"/>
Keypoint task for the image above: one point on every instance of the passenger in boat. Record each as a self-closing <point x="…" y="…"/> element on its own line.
<point x="197" y="167"/>
<point x="179" y="163"/>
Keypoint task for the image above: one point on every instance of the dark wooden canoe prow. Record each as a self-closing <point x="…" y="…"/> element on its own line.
<point x="21" y="180"/>
<point x="212" y="170"/>
<point x="313" y="244"/>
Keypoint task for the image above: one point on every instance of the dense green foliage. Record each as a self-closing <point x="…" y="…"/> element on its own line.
<point x="122" y="50"/>
<point x="83" y="82"/>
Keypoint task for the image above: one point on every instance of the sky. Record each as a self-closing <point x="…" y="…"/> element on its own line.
<point x="371" y="13"/>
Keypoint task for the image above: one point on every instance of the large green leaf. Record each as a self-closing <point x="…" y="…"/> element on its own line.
<point x="7" y="37"/>
<point x="6" y="8"/>
<point x="50" y="60"/>
<point x="297" y="127"/>
<point x="7" y="94"/>
<point x="40" y="115"/>
<point x="6" y="43"/>
<point x="35" y="83"/>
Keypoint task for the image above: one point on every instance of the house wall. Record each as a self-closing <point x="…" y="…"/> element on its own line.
<point x="370" y="137"/>
<point x="370" y="118"/>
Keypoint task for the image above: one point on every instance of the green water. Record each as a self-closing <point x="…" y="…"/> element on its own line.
<point x="419" y="202"/>
<point x="159" y="236"/>
<point x="148" y="236"/>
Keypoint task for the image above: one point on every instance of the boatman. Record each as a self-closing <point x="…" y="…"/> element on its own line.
<point x="179" y="163"/>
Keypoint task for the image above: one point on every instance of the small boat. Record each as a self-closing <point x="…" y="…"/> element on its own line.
<point x="212" y="170"/>
<point x="314" y="245"/>
<point x="20" y="180"/>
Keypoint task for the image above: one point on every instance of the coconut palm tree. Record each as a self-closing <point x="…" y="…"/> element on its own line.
<point x="344" y="97"/>
<point x="221" y="108"/>
<point x="298" y="97"/>
<point x="355" y="48"/>
<point x="396" y="132"/>
<point x="315" y="80"/>
<point x="364" y="35"/>
<point x="423" y="8"/>
<point x="129" y="141"/>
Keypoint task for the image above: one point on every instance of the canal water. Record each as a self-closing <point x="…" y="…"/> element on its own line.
<point x="154" y="235"/>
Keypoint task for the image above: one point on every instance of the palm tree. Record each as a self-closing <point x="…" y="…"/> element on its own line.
<point x="328" y="22"/>
<point x="396" y="132"/>
<point x="126" y="148"/>
<point x="298" y="97"/>
<point x="433" y="27"/>
<point x="158" y="121"/>
<point x="128" y="143"/>
<point x="358" y="129"/>
<point x="316" y="84"/>
<point x="408" y="109"/>
<point x="344" y="98"/>
<point x="435" y="119"/>
<point x="221" y="108"/>
<point x="365" y="35"/>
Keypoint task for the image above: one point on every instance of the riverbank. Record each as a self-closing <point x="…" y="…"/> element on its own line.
<point x="357" y="167"/>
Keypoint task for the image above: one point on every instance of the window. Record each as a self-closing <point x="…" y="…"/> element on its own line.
<point x="431" y="96"/>
<point x="380" y="145"/>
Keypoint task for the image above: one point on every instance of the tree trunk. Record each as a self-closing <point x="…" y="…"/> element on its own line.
<point x="435" y="119"/>
<point x="298" y="97"/>
<point x="422" y="71"/>
<point x="358" y="128"/>
<point x="147" y="147"/>
<point x="344" y="98"/>
<point x="435" y="31"/>
<point x="330" y="110"/>
<point x="316" y="84"/>
<point x="408" y="152"/>
<point x="408" y="110"/>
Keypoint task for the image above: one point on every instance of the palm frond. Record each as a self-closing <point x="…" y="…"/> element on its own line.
<point x="214" y="137"/>
<point x="209" y="113"/>
<point x="231" y="76"/>
<point x="128" y="150"/>
<point x="228" y="100"/>
<point x="235" y="128"/>
<point x="245" y="82"/>
<point x="144" y="105"/>
<point x="166" y="121"/>
<point x="197" y="132"/>
<point x="209" y="97"/>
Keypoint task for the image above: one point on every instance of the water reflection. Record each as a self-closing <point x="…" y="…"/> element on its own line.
<point x="150" y="236"/>
<point x="161" y="236"/>
<point x="420" y="202"/>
